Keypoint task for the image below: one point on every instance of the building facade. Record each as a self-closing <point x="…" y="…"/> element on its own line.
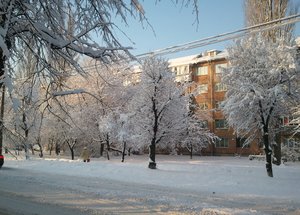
<point x="205" y="72"/>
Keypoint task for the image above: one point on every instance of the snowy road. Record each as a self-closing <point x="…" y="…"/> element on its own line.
<point x="35" y="187"/>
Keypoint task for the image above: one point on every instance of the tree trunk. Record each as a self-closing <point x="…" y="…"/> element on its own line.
<point x="26" y="150"/>
<point x="191" y="152"/>
<point x="212" y="149"/>
<point x="50" y="145"/>
<point x="268" y="152"/>
<point x="26" y="132"/>
<point x="107" y="146"/>
<point x="72" y="153"/>
<point x="101" y="149"/>
<point x="32" y="149"/>
<point x="41" y="152"/>
<point x="107" y="155"/>
<point x="277" y="150"/>
<point x="123" y="152"/>
<point x="2" y="65"/>
<point x="71" y="147"/>
<point x="41" y="148"/>
<point x="3" y="58"/>
<point x="1" y="117"/>
<point x="57" y="149"/>
<point x="152" y="164"/>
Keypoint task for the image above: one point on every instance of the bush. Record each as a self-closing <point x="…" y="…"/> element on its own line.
<point x="290" y="153"/>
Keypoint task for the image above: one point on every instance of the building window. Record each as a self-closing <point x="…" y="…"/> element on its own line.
<point x="202" y="88"/>
<point x="180" y="70"/>
<point x="220" y="67"/>
<point x="240" y="143"/>
<point x="220" y="87"/>
<point x="288" y="121"/>
<point x="203" y="106"/>
<point x="222" y="143"/>
<point x="202" y="70"/>
<point x="285" y="120"/>
<point x="221" y="124"/>
<point x="218" y="105"/>
<point x="175" y="70"/>
<point x="203" y="124"/>
<point x="185" y="69"/>
<point x="291" y="142"/>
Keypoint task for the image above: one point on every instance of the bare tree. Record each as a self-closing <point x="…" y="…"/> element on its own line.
<point x="260" y="11"/>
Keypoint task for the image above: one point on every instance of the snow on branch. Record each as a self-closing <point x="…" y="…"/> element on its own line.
<point x="68" y="92"/>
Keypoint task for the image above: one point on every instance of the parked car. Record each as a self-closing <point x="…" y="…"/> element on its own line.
<point x="1" y="160"/>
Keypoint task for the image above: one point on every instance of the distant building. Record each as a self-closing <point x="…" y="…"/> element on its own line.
<point x="182" y="67"/>
<point x="204" y="71"/>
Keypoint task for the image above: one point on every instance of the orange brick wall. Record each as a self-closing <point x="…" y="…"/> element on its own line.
<point x="210" y="97"/>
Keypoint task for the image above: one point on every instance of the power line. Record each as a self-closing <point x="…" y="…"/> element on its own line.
<point x="223" y="37"/>
<point x="216" y="39"/>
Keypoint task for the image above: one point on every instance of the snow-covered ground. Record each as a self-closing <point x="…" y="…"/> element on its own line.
<point x="203" y="185"/>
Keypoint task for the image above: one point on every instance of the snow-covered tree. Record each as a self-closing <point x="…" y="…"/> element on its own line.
<point x="160" y="106"/>
<point x="125" y="133"/>
<point x="262" y="86"/>
<point x="43" y="24"/>
<point x="118" y="132"/>
<point x="291" y="151"/>
<point x="103" y="100"/>
<point x="23" y="120"/>
<point x="46" y="25"/>
<point x="26" y="118"/>
<point x="197" y="134"/>
<point x="62" y="129"/>
<point x="94" y="106"/>
<point x="296" y="120"/>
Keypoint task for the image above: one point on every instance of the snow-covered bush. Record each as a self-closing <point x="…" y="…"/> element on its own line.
<point x="291" y="153"/>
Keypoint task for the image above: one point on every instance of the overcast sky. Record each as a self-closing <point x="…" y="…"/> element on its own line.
<point x="175" y="24"/>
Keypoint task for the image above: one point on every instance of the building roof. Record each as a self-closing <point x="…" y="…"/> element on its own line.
<point x="182" y="60"/>
<point x="198" y="58"/>
<point x="191" y="59"/>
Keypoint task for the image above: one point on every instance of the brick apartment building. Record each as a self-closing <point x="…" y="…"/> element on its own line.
<point x="204" y="71"/>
